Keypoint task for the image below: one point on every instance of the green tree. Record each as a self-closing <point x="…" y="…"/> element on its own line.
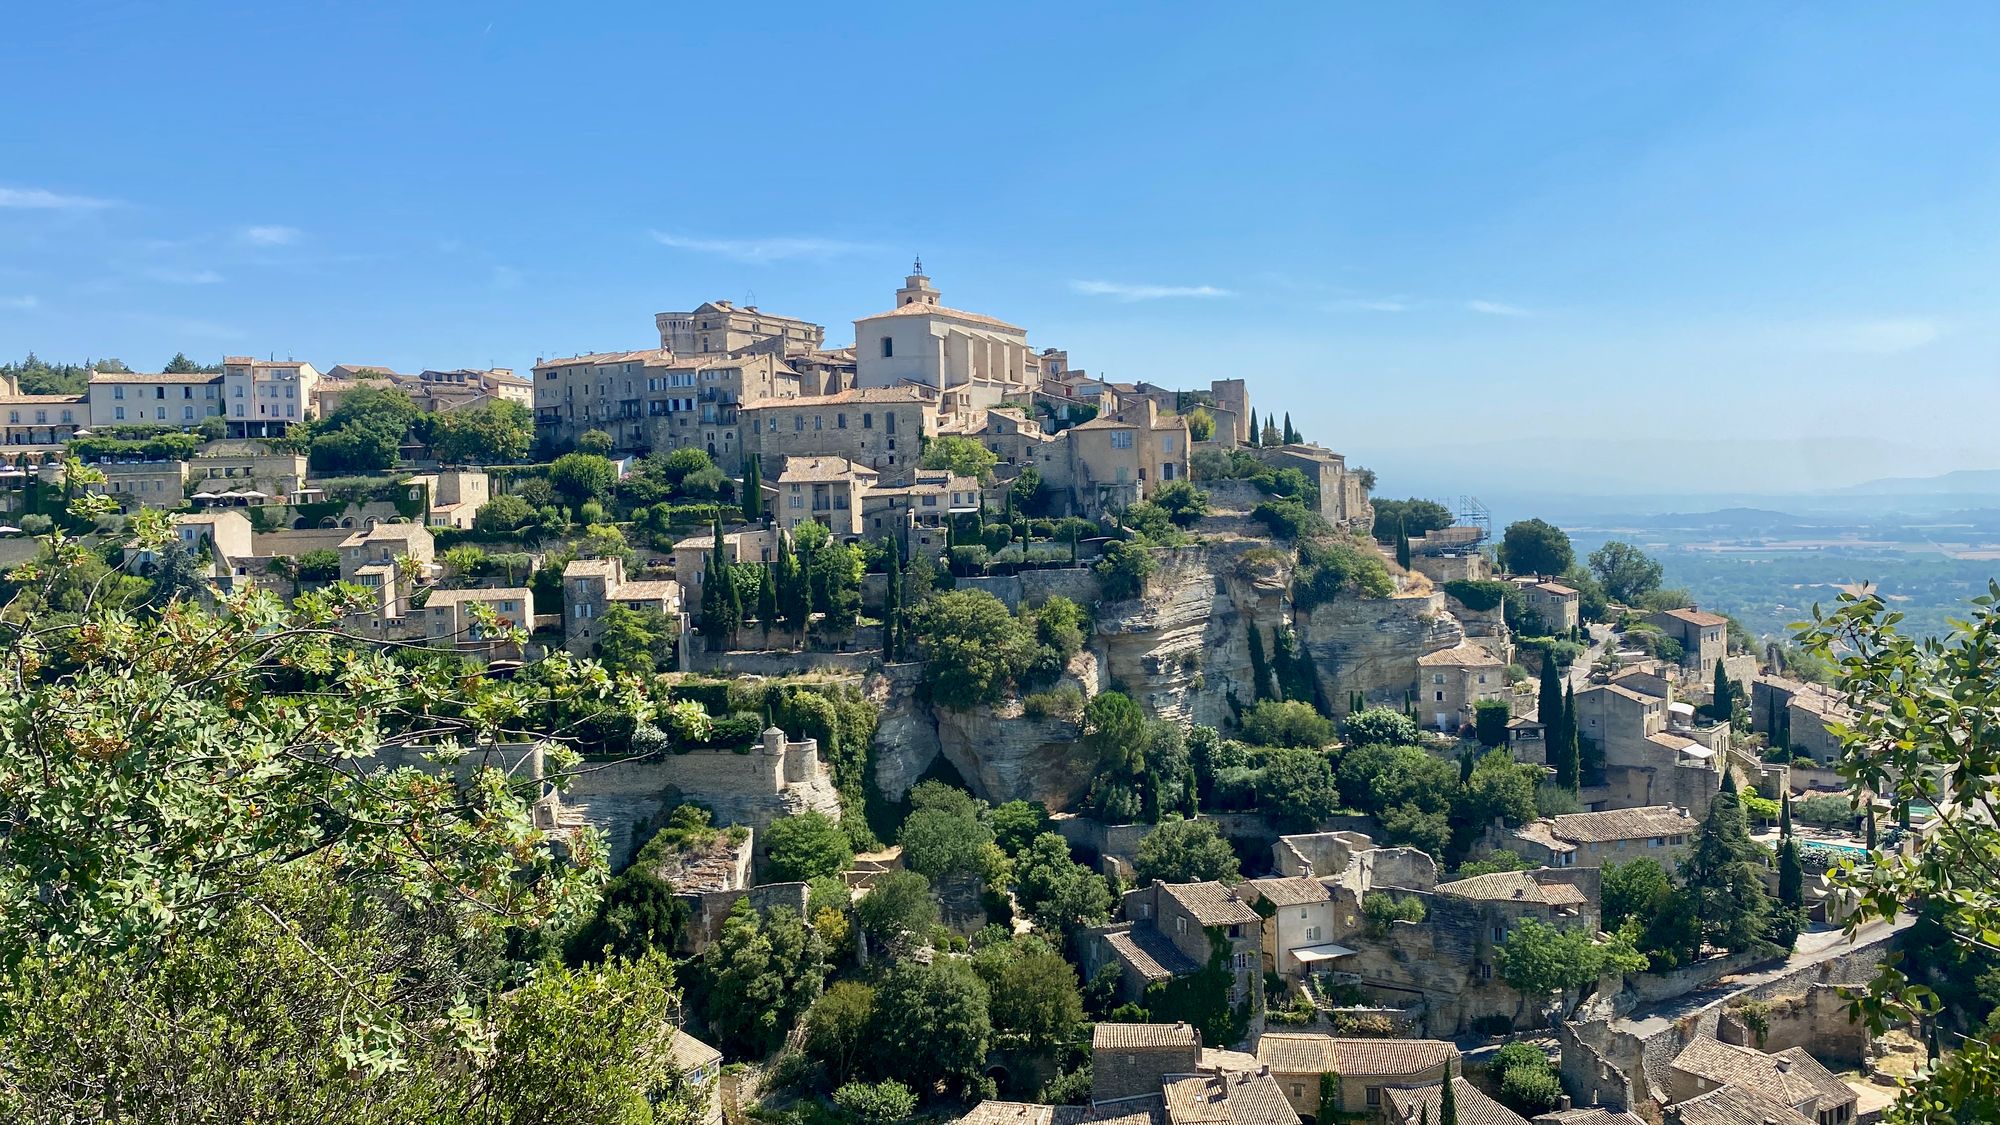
<point x="1298" y="789"/>
<point x="1290" y="723"/>
<point x="945" y="834"/>
<point x="1114" y="731"/>
<point x="1036" y="1001"/>
<point x="898" y="903"/>
<point x="496" y="432"/>
<point x="1260" y="666"/>
<point x="973" y="647"/>
<point x="1017" y="823"/>
<point x="1059" y="894"/>
<point x="1489" y="721"/>
<point x="1727" y="701"/>
<point x="1123" y="570"/>
<point x="633" y="641"/>
<point x="835" y="578"/>
<point x="1535" y="547"/>
<point x="721" y="608"/>
<point x="1412" y="517"/>
<point x="1720" y="872"/>
<point x="1627" y="573"/>
<point x="503" y="513"/>
<point x="837" y="1029"/>
<point x="1201" y="424"/>
<point x="1254" y="433"/>
<point x="931" y="1025"/>
<point x="1537" y="959"/>
<point x="960" y="455"/>
<point x="753" y="489"/>
<point x="595" y="443"/>
<point x="805" y="846"/>
<point x="1497" y="788"/>
<point x="1380" y="726"/>
<point x="1183" y="503"/>
<point x="875" y="1103"/>
<point x="1186" y="851"/>
<point x="1402" y="546"/>
<point x="1638" y="890"/>
<point x="581" y="477"/>
<point x="761" y="977"/>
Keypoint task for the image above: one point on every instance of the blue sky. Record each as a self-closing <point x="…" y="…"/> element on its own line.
<point x="1571" y="247"/>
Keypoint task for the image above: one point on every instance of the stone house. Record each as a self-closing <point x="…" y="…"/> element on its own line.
<point x="593" y="586"/>
<point x="917" y="512"/>
<point x="723" y="328"/>
<point x="132" y="482"/>
<point x="690" y="556"/>
<point x="265" y="399"/>
<point x="824" y="490"/>
<point x="1226" y="1097"/>
<point x="1558" y="606"/>
<point x="1796" y="715"/>
<point x="1423" y="1105"/>
<point x="131" y="398"/>
<point x="1131" y="1060"/>
<point x="654" y="399"/>
<point x="456" y="495"/>
<point x="1594" y="839"/>
<point x="1704" y="638"/>
<point x="1452" y="680"/>
<point x="1116" y="460"/>
<point x="1166" y="934"/>
<point x="701" y="1068"/>
<point x="222" y="467"/>
<point x="450" y="622"/>
<point x="1792" y="1078"/>
<point x="1298" y="931"/>
<point x="1482" y="910"/>
<point x="1368" y="1069"/>
<point x="880" y="427"/>
<point x="1653" y="752"/>
<point x="1343" y="502"/>
<point x="38" y="420"/>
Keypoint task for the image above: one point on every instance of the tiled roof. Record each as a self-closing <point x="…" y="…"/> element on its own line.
<point x="1229" y="1098"/>
<point x="395" y="531"/>
<point x="1463" y="655"/>
<point x="1734" y="1105"/>
<point x="588" y="568"/>
<point x="1426" y="1103"/>
<point x="1135" y="1036"/>
<point x="1696" y="617"/>
<point x="919" y="308"/>
<point x="597" y="358"/>
<point x="1671" y="740"/>
<point x="651" y="590"/>
<point x="1543" y="833"/>
<point x="482" y="594"/>
<point x="1319" y="1054"/>
<point x="1150" y="954"/>
<point x="1588" y="1115"/>
<point x="144" y="377"/>
<point x="1212" y="904"/>
<point x="992" y="1112"/>
<point x="800" y="470"/>
<point x="1791" y="1076"/>
<point x="1513" y="886"/>
<point x="1624" y="692"/>
<point x="1292" y="891"/>
<point x="691" y="1053"/>
<point x="1622" y="824"/>
<point x="1557" y="589"/>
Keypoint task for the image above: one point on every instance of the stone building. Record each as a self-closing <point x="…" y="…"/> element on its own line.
<point x="1368" y="1069"/>
<point x="1654" y="751"/>
<point x="157" y="482"/>
<point x="1131" y="1060"/>
<point x="1792" y="1078"/>
<point x="1595" y="839"/>
<point x="881" y="427"/>
<point x="1452" y="680"/>
<point x="1117" y="460"/>
<point x="456" y="495"/>
<point x="1166" y="933"/>
<point x="266" y="398"/>
<point x="131" y="398"/>
<point x="38" y="420"/>
<point x="1558" y="607"/>
<point x="690" y="557"/>
<point x="1797" y="716"/>
<point x="450" y="622"/>
<point x="721" y="328"/>
<point x="1343" y="502"/>
<point x="222" y="467"/>
<point x="823" y="490"/>
<point x="655" y="400"/>
<point x="971" y="359"/>
<point x="593" y="586"/>
<point x="915" y="513"/>
<point x="1704" y="638"/>
<point x="1422" y="1105"/>
<point x="1226" y="1097"/>
<point x="701" y="1068"/>
<point x="1564" y="898"/>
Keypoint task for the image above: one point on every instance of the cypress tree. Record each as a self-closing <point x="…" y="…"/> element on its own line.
<point x="1402" y="545"/>
<point x="892" y="603"/>
<point x="1291" y="435"/>
<point x="1253" y="428"/>
<point x="1572" y="741"/>
<point x="1260" y="674"/>
<point x="767" y="601"/>
<point x="1723" y="884"/>
<point x="1549" y="704"/>
<point x="1728" y="780"/>
<point x="721" y="607"/>
<point x="1724" y="706"/>
<point x="1791" y="873"/>
<point x="753" y="490"/>
<point x="1447" y="1100"/>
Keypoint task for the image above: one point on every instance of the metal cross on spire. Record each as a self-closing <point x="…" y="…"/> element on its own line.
<point x="918" y="266"/>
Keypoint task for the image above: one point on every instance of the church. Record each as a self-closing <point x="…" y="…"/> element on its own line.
<point x="972" y="360"/>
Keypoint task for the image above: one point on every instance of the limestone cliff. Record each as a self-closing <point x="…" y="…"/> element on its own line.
<point x="1182" y="647"/>
<point x="1371" y="645"/>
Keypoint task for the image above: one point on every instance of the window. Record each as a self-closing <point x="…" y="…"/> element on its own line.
<point x="840" y="421"/>
<point x="888" y="347"/>
<point x="118" y="393"/>
<point x="798" y="501"/>
<point x="1298" y="1090"/>
<point x="1374" y="1096"/>
<point x="798" y="423"/>
<point x="160" y="413"/>
<point x="118" y="413"/>
<point x="1121" y="439"/>
<point x="68" y="416"/>
<point x="1657" y="842"/>
<point x="1312" y="933"/>
<point x="1439" y="698"/>
<point x="1180" y="925"/>
<point x="1167" y="443"/>
<point x="818" y="422"/>
<point x="159" y="393"/>
<point x="867" y="420"/>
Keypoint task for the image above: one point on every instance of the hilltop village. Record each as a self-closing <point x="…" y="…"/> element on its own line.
<point x="1019" y="746"/>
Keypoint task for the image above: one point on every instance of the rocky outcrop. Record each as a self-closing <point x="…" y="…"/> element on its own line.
<point x="999" y="751"/>
<point x="1371" y="645"/>
<point x="1182" y="647"/>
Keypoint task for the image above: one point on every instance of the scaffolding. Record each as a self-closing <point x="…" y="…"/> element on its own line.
<point x="1472" y="513"/>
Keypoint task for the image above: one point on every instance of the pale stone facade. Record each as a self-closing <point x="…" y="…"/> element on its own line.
<point x="38" y="420"/>
<point x="1451" y="681"/>
<point x="721" y="328"/>
<point x="881" y="428"/>
<point x="593" y="586"/>
<point x="826" y="490"/>
<point x="1117" y="460"/>
<point x="972" y="359"/>
<point x="266" y="398"/>
<point x="450" y="622"/>
<point x="130" y="398"/>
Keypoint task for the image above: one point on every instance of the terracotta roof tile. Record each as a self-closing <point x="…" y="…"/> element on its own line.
<point x="1296" y="891"/>
<point x="1212" y="904"/>
<point x="1621" y="824"/>
<point x="1136" y="1036"/>
<point x="1386" y="1058"/>
<point x="1412" y="1105"/>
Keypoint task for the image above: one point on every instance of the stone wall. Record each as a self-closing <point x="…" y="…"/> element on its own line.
<point x="1816" y="1020"/>
<point x="1371" y="645"/>
<point x="1033" y="587"/>
<point x="867" y="654"/>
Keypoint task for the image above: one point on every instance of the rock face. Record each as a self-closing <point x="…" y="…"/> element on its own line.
<point x="1002" y="754"/>
<point x="1182" y="648"/>
<point x="1371" y="645"/>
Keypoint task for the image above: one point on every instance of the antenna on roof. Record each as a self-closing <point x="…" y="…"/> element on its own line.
<point x="918" y="266"/>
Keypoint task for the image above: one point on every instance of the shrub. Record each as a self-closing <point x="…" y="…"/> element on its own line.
<point x="1490" y="718"/>
<point x="1064" y="702"/>
<point x="1332" y="567"/>
<point x="1379" y="726"/>
<point x="1287" y="519"/>
<point x="875" y="1103"/>
<point x="1382" y="908"/>
<point x="1123" y="570"/>
<point x="1479" y="594"/>
<point x="1290" y="723"/>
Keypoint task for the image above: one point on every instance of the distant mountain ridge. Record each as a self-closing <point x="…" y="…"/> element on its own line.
<point x="1957" y="482"/>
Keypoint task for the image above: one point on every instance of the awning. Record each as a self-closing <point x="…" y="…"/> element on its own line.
<point x="1312" y="953"/>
